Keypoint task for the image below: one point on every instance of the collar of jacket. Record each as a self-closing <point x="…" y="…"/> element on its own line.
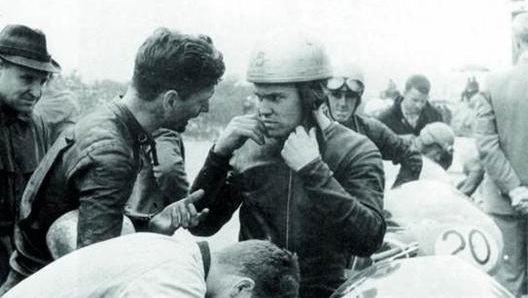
<point x="140" y="135"/>
<point x="397" y="106"/>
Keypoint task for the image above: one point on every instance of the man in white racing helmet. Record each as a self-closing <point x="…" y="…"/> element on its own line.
<point x="304" y="182"/>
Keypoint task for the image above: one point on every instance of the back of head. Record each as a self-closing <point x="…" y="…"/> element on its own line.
<point x="472" y="88"/>
<point x="418" y="82"/>
<point x="437" y="133"/>
<point x="172" y="60"/>
<point x="275" y="271"/>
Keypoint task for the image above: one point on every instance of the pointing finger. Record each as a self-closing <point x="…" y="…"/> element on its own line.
<point x="194" y="197"/>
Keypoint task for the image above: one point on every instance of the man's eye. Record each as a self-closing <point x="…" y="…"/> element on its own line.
<point x="27" y="79"/>
<point x="274" y="98"/>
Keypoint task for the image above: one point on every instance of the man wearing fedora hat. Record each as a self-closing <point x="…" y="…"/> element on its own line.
<point x="93" y="166"/>
<point x="25" y="67"/>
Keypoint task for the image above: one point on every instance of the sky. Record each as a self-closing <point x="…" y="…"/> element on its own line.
<point x="387" y="38"/>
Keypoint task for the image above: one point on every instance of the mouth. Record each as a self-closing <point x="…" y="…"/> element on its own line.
<point x="27" y="104"/>
<point x="270" y="123"/>
<point x="341" y="114"/>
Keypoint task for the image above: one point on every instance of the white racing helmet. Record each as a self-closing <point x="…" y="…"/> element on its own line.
<point x="62" y="234"/>
<point x="288" y="56"/>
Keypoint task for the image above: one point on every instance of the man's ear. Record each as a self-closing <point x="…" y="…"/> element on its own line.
<point x="170" y="99"/>
<point x="242" y="288"/>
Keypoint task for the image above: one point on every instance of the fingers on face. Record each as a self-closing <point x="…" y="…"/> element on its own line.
<point x="252" y="128"/>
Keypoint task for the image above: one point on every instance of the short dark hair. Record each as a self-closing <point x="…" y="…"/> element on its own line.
<point x="418" y="82"/>
<point x="172" y="60"/>
<point x="274" y="270"/>
<point x="312" y="97"/>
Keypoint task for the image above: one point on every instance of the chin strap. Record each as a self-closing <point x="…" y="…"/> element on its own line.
<point x="206" y="256"/>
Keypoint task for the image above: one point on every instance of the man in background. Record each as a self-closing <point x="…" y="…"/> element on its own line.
<point x="345" y="90"/>
<point x="25" y="68"/>
<point x="412" y="111"/>
<point x="502" y="138"/>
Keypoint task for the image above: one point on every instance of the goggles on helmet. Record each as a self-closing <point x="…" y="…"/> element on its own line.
<point x="337" y="83"/>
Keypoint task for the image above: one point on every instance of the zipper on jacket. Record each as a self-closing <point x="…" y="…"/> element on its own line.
<point x="290" y="185"/>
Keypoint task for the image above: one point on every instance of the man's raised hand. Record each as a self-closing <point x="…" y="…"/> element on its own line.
<point x="179" y="214"/>
<point x="239" y="129"/>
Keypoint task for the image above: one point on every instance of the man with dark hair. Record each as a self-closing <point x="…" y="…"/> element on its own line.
<point x="412" y="111"/>
<point x="93" y="167"/>
<point x="25" y="67"/>
<point x="304" y="182"/>
<point x="157" y="266"/>
<point x="344" y="91"/>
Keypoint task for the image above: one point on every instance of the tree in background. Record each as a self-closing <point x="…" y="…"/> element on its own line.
<point x="227" y="102"/>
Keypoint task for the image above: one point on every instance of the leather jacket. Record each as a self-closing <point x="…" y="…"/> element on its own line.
<point x="328" y="211"/>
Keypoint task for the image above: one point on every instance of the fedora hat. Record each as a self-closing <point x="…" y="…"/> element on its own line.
<point x="24" y="46"/>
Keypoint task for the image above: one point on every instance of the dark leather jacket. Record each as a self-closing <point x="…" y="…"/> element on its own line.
<point x="394" y="119"/>
<point x="23" y="143"/>
<point x="326" y="212"/>
<point x="157" y="186"/>
<point x="390" y="145"/>
<point x="92" y="168"/>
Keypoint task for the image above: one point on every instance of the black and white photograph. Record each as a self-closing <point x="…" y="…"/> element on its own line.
<point x="263" y="148"/>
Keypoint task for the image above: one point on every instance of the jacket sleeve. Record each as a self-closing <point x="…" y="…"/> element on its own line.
<point x="104" y="182"/>
<point x="170" y="172"/>
<point x="221" y="196"/>
<point x="493" y="159"/>
<point x="355" y="205"/>
<point x="396" y="149"/>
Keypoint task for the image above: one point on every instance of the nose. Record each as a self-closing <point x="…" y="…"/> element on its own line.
<point x="342" y="99"/>
<point x="36" y="90"/>
<point x="420" y="105"/>
<point x="264" y="110"/>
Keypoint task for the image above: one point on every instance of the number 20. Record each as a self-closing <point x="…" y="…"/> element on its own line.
<point x="462" y="245"/>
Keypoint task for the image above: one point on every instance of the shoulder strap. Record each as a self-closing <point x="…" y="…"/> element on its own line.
<point x="33" y="186"/>
<point x="206" y="256"/>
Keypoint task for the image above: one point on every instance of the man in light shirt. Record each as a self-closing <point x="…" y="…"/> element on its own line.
<point x="157" y="266"/>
